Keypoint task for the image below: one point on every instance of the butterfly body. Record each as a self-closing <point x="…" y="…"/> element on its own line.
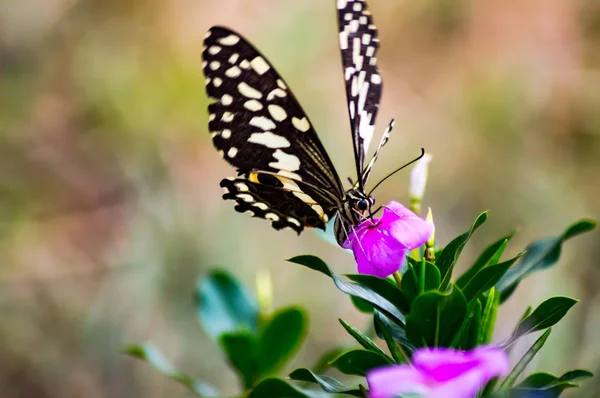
<point x="284" y="173"/>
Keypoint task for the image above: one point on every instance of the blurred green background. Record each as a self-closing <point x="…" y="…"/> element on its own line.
<point x="110" y="202"/>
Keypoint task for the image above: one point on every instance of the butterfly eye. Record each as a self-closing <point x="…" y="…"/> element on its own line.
<point x="362" y="204"/>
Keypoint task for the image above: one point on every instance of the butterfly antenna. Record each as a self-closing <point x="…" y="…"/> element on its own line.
<point x="397" y="170"/>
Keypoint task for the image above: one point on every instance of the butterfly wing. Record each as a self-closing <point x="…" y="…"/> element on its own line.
<point x="359" y="43"/>
<point x="259" y="127"/>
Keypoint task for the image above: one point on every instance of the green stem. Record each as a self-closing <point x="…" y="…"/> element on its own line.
<point x="397" y="278"/>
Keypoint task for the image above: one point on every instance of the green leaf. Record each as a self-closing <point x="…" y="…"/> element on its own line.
<point x="451" y="252"/>
<point x="384" y="287"/>
<point x="436" y="317"/>
<point x="280" y="339"/>
<point x="273" y="387"/>
<point x="541" y="254"/>
<point x="358" y="362"/>
<point x="362" y="305"/>
<point x="156" y="359"/>
<point x="546" y="380"/>
<point x="352" y="289"/>
<point x="224" y="306"/>
<point x="364" y="341"/>
<point x="420" y="277"/>
<point x="522" y="364"/>
<point x="491" y="255"/>
<point x="328" y="384"/>
<point x="488" y="319"/>
<point x="383" y="331"/>
<point x="487" y="278"/>
<point x="545" y="315"/>
<point x="326" y="358"/>
<point x="398" y="334"/>
<point x="466" y="337"/>
<point x="241" y="351"/>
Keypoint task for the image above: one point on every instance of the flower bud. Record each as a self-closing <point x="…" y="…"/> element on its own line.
<point x="418" y="179"/>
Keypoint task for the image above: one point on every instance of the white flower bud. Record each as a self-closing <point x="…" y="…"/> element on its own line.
<point x="418" y="178"/>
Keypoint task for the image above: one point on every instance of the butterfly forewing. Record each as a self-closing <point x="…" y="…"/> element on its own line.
<point x="258" y="126"/>
<point x="359" y="43"/>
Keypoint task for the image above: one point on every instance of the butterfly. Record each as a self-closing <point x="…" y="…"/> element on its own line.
<point x="257" y="125"/>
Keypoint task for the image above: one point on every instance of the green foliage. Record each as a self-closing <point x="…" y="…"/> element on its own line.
<point x="523" y="362"/>
<point x="223" y="305"/>
<point x="436" y="317"/>
<point x="352" y="289"/>
<point x="363" y="340"/>
<point x="421" y="276"/>
<point x="156" y="359"/>
<point x="449" y="256"/>
<point x="423" y="308"/>
<point x="359" y="362"/>
<point x="327" y="383"/>
<point x="546" y="315"/>
<point x="540" y="255"/>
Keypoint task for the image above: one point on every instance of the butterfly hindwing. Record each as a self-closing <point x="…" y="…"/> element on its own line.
<point x="280" y="201"/>
<point x="259" y="127"/>
<point x="359" y="43"/>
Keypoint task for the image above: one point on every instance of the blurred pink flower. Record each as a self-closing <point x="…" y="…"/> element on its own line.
<point x="440" y="373"/>
<point x="380" y="245"/>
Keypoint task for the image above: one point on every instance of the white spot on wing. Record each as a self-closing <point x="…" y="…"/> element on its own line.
<point x="226" y="99"/>
<point x="301" y="124"/>
<point x="232" y="152"/>
<point x="253" y="105"/>
<point x="226" y="134"/>
<point x="227" y="117"/>
<point x="277" y="113"/>
<point x="242" y="187"/>
<point x="343" y="40"/>
<point x="294" y="221"/>
<point x="214" y="65"/>
<point x="272" y="216"/>
<point x="229" y="40"/>
<point x="262" y="122"/>
<point x="214" y="50"/>
<point x="248" y="91"/>
<point x="233" y="72"/>
<point x="260" y="205"/>
<point x="234" y="57"/>
<point x="217" y="81"/>
<point x="245" y="197"/>
<point x="285" y="161"/>
<point x="259" y="65"/>
<point x="276" y="93"/>
<point x="269" y="140"/>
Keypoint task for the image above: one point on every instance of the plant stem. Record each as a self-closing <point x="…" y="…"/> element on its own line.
<point x="397" y="278"/>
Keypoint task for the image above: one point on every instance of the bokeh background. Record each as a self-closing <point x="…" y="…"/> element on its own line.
<point x="110" y="206"/>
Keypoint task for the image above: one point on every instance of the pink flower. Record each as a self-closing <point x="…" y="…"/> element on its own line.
<point x="380" y="245"/>
<point x="440" y="373"/>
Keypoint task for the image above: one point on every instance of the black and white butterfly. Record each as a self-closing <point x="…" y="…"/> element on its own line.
<point x="258" y="126"/>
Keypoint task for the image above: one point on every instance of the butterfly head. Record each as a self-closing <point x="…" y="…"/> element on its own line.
<point x="359" y="202"/>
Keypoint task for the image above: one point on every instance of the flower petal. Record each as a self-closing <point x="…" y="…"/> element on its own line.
<point x="405" y="226"/>
<point x="391" y="381"/>
<point x="460" y="373"/>
<point x="376" y="252"/>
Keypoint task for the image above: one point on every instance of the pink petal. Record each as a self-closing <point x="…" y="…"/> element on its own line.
<point x="461" y="373"/>
<point x="376" y="252"/>
<point x="405" y="226"/>
<point x="391" y="381"/>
